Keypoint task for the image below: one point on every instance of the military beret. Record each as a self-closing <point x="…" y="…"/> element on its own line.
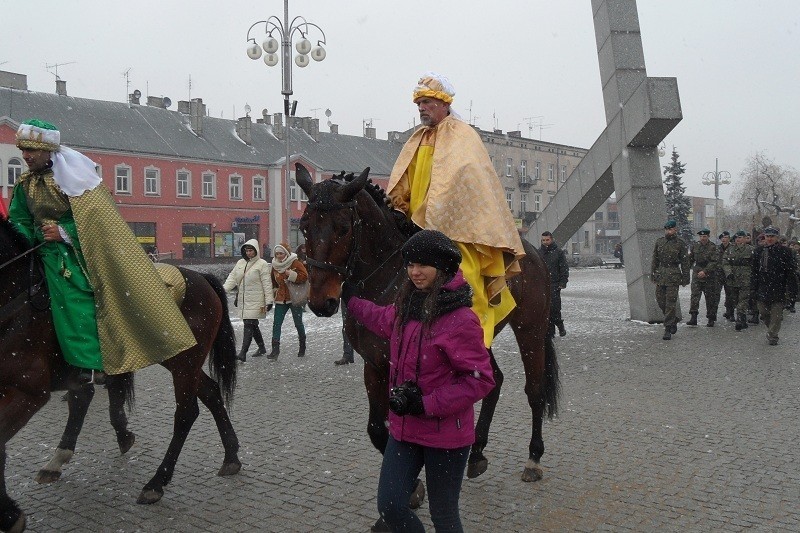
<point x="724" y="234"/>
<point x="741" y="233"/>
<point x="670" y="224"/>
<point x="770" y="230"/>
<point x="704" y="231"/>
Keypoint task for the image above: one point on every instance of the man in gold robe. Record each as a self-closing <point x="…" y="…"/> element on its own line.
<point x="444" y="180"/>
<point x="111" y="310"/>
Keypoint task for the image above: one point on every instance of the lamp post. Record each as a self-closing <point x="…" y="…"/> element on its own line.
<point x="716" y="178"/>
<point x="299" y="26"/>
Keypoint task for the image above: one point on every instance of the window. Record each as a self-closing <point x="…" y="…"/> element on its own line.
<point x="14" y="171"/>
<point x="122" y="182"/>
<point x="152" y="181"/>
<point x="145" y="233"/>
<point x="296" y="192"/>
<point x="523" y="169"/>
<point x="510" y="198"/>
<point x="258" y="189"/>
<point x="196" y="239"/>
<point x="563" y="173"/>
<point x="551" y="172"/>
<point x="598" y="216"/>
<point x="586" y="238"/>
<point x="235" y="187"/>
<point x="523" y="202"/>
<point x="183" y="183"/>
<point x="537" y="202"/>
<point x="209" y="185"/>
<point x="537" y="171"/>
<point x="509" y="164"/>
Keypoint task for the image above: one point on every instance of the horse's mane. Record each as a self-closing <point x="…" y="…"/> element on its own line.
<point x="373" y="189"/>
<point x="18" y="239"/>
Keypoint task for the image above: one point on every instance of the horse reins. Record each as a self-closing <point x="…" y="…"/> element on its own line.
<point x="23" y="254"/>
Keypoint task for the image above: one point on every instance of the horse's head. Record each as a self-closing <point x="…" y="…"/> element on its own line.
<point x="331" y="226"/>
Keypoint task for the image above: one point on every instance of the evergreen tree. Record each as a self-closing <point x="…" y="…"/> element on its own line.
<point x="678" y="204"/>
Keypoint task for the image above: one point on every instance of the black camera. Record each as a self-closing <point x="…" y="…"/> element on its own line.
<point x="404" y="398"/>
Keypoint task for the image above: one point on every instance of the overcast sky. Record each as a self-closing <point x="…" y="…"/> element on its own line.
<point x="737" y="63"/>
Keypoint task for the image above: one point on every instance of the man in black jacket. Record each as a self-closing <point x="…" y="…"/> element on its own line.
<point x="772" y="265"/>
<point x="556" y="263"/>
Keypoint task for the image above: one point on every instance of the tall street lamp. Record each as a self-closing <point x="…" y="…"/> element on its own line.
<point x="299" y="27"/>
<point x="716" y="178"/>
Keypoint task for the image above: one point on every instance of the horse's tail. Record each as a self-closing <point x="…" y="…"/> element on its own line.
<point x="552" y="382"/>
<point x="222" y="361"/>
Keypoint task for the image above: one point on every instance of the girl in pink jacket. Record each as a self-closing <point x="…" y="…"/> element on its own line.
<point x="439" y="368"/>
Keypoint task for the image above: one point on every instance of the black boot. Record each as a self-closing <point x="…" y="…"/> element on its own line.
<point x="259" y="341"/>
<point x="711" y="321"/>
<point x="741" y="321"/>
<point x="561" y="330"/>
<point x="667" y="333"/>
<point x="276" y="349"/>
<point x="302" y="351"/>
<point x="692" y="321"/>
<point x="754" y="319"/>
<point x="248" y="338"/>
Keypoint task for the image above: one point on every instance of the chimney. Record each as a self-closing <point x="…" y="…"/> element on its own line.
<point x="184" y="107"/>
<point x="61" y="87"/>
<point x="335" y="129"/>
<point x="198" y="110"/>
<point x="243" y="126"/>
<point x="515" y="134"/>
<point x="277" y="129"/>
<point x="11" y="80"/>
<point x="266" y="119"/>
<point x="369" y="132"/>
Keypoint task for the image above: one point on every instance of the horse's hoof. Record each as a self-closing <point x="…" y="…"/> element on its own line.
<point x="534" y="473"/>
<point x="126" y="443"/>
<point x="477" y="468"/>
<point x="20" y="525"/>
<point x="149" y="496"/>
<point x="47" y="476"/>
<point x="230" y="469"/>
<point x="418" y="496"/>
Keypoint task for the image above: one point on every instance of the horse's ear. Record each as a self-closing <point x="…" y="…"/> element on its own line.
<point x="303" y="178"/>
<point x="351" y="188"/>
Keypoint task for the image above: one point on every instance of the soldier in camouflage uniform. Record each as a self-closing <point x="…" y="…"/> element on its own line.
<point x="794" y="283"/>
<point x="724" y="244"/>
<point x="736" y="263"/>
<point x="704" y="258"/>
<point x="669" y="270"/>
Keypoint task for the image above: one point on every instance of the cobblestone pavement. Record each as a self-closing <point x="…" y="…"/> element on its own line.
<point x="698" y="433"/>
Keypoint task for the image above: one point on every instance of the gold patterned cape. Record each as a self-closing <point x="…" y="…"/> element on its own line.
<point x="465" y="201"/>
<point x="138" y="322"/>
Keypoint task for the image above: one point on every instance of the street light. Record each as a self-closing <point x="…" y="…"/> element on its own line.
<point x="716" y="178"/>
<point x="301" y="28"/>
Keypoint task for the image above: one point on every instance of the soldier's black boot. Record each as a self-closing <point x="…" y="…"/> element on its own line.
<point x="692" y="321"/>
<point x="754" y="319"/>
<point x="667" y="333"/>
<point x="276" y="349"/>
<point x="711" y="321"/>
<point x="741" y="321"/>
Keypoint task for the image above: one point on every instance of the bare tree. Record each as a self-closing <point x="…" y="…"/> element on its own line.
<point x="766" y="189"/>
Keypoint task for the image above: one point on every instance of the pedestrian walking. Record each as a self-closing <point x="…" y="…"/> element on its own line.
<point x="736" y="263"/>
<point x="251" y="277"/>
<point x="669" y="270"/>
<point x="439" y="368"/>
<point x="557" y="265"/>
<point x="286" y="268"/>
<point x="704" y="258"/>
<point x="772" y="267"/>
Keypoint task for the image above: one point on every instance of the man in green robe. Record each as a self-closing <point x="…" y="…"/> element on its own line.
<point x="111" y="311"/>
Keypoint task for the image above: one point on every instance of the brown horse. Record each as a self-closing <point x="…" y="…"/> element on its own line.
<point x="352" y="238"/>
<point x="31" y="366"/>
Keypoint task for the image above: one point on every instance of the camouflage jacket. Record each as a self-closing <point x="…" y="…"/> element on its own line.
<point x="704" y="258"/>
<point x="720" y="254"/>
<point x="670" y="265"/>
<point x="736" y="263"/>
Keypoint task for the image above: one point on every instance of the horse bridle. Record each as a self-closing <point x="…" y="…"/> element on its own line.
<point x="347" y="270"/>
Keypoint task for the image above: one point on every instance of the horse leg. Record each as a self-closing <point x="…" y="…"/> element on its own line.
<point x="116" y="411"/>
<point x="477" y="463"/>
<point x="377" y="394"/>
<point x="78" y="401"/>
<point x="16" y="409"/>
<point x="211" y="397"/>
<point x="185" y="381"/>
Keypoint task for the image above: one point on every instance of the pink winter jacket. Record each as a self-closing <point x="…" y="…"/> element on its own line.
<point x="454" y="373"/>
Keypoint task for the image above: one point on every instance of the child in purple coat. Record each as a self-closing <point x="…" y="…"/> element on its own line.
<point x="439" y="368"/>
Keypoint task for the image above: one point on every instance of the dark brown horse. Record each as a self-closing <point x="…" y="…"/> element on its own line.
<point x="31" y="366"/>
<point x="353" y="237"/>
